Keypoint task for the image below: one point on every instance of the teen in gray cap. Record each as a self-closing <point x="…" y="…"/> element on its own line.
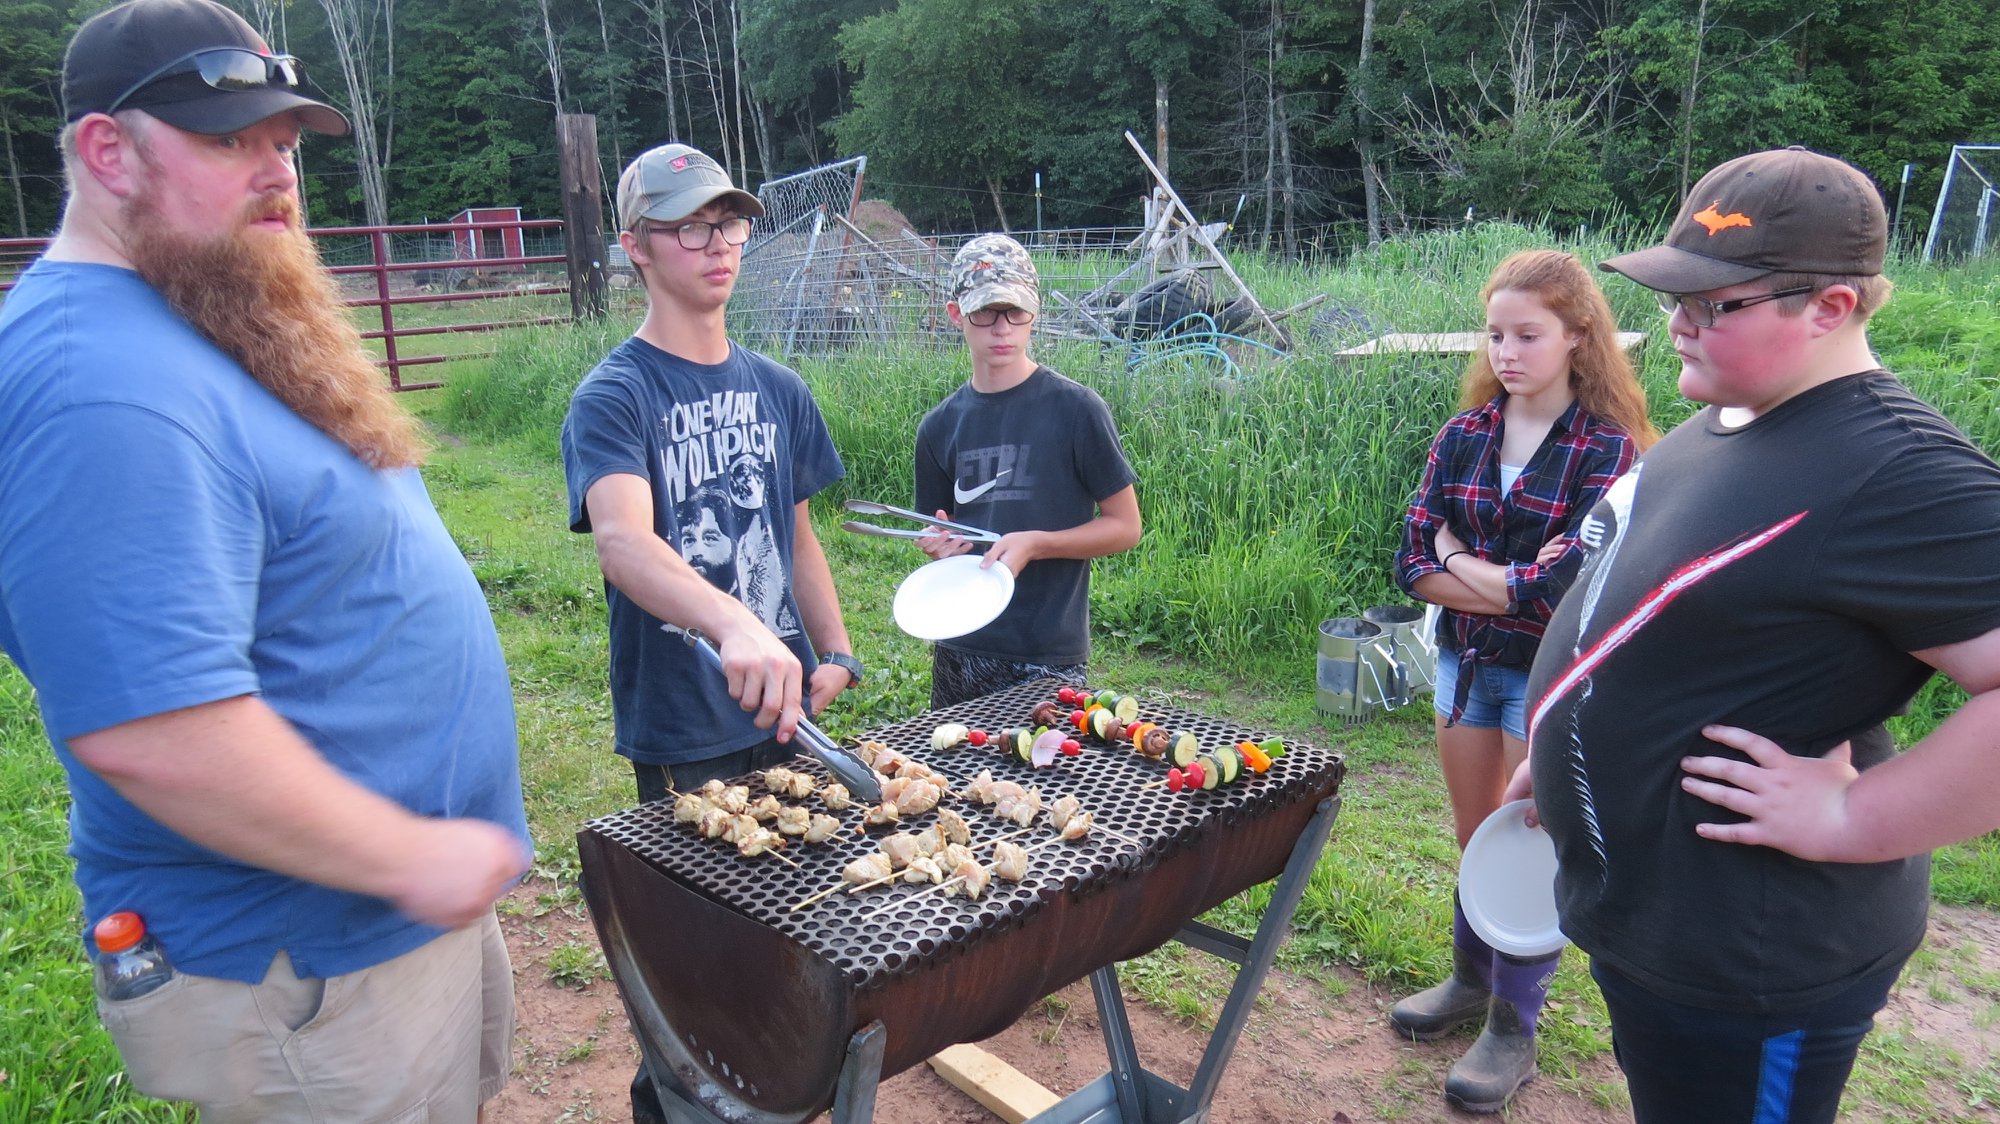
<point x="271" y="678"/>
<point x="672" y="417"/>
<point x="1743" y="850"/>
<point x="1024" y="451"/>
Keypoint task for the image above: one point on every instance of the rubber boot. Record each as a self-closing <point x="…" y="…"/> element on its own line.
<point x="1458" y="1000"/>
<point x="1503" y="1058"/>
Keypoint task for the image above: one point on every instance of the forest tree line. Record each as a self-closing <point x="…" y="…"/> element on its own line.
<point x="1309" y="123"/>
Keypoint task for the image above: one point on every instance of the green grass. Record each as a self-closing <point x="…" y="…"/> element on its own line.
<point x="1272" y="501"/>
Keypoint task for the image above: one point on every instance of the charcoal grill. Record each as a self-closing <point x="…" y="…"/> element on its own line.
<point x="762" y="1014"/>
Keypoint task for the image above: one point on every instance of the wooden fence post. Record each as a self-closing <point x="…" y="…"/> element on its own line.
<point x="583" y="212"/>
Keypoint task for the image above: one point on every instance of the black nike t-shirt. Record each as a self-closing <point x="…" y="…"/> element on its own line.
<point x="1775" y="577"/>
<point x="1035" y="457"/>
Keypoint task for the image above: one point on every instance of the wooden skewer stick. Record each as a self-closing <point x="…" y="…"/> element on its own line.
<point x="935" y="888"/>
<point x="1098" y="827"/>
<point x="783" y="859"/>
<point x="828" y="892"/>
<point x="835" y="888"/>
<point x="882" y="881"/>
<point x="940" y="887"/>
<point x="999" y="838"/>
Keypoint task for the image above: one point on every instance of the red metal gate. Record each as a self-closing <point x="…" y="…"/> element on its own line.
<point x="410" y="268"/>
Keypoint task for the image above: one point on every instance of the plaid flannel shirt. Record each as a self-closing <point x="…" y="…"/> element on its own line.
<point x="1578" y="460"/>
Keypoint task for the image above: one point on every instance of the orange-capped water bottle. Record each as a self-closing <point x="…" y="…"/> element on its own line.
<point x="129" y="961"/>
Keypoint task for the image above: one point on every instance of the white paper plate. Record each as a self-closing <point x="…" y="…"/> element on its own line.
<point x="952" y="596"/>
<point x="1507" y="884"/>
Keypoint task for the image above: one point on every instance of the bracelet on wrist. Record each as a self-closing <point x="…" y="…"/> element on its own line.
<point x="1446" y="560"/>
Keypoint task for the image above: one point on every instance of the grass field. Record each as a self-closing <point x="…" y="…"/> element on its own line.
<point x="1271" y="502"/>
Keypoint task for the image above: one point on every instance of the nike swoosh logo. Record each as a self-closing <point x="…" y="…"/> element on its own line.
<point x="963" y="496"/>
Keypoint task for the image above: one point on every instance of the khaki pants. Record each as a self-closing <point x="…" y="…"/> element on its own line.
<point x="426" y="1037"/>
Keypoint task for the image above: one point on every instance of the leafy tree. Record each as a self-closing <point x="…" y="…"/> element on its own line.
<point x="31" y="44"/>
<point x="942" y="101"/>
<point x="791" y="56"/>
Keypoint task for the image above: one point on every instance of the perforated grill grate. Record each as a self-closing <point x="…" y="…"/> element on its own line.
<point x="880" y="932"/>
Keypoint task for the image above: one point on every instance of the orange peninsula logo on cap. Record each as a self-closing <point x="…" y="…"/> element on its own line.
<point x="1788" y="210"/>
<point x="1717" y="222"/>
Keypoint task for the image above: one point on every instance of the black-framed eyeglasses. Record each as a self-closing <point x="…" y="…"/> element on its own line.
<point x="987" y="317"/>
<point x="696" y="234"/>
<point x="1702" y="311"/>
<point x="223" y="68"/>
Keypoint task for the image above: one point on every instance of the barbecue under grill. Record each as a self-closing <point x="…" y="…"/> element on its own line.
<point x="767" y="1015"/>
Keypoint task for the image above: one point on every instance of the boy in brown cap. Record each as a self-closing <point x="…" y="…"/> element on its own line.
<point x="1026" y="452"/>
<point x="1744" y="854"/>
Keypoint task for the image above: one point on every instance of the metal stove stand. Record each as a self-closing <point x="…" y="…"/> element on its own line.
<point x="1127" y="1093"/>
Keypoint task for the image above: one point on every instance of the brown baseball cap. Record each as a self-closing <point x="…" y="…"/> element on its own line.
<point x="1789" y="210"/>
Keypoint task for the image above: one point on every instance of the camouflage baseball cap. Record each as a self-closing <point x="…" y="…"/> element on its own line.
<point x="994" y="269"/>
<point x="674" y="181"/>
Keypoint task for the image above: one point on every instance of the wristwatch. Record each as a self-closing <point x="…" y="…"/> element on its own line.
<point x="844" y="661"/>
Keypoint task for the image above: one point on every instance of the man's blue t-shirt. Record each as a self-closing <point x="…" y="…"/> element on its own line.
<point x="730" y="449"/>
<point x="172" y="535"/>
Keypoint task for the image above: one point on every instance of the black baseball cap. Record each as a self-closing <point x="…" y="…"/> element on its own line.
<point x="192" y="63"/>
<point x="1789" y="210"/>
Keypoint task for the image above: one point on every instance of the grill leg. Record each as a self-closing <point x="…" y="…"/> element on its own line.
<point x="860" y="1076"/>
<point x="1257" y="958"/>
<point x="1126" y="1073"/>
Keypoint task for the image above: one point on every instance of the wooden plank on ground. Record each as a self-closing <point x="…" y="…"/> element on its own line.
<point x="1008" y="1093"/>
<point x="1448" y="343"/>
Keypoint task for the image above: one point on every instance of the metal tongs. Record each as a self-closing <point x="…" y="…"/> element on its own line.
<point x="845" y="765"/>
<point x="869" y="507"/>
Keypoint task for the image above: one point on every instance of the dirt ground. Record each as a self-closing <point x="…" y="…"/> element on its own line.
<point x="1308" y="1054"/>
<point x="1305" y="1054"/>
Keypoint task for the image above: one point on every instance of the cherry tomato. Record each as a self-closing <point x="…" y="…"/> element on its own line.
<point x="976" y="737"/>
<point x="1066" y="694"/>
<point x="1194" y="776"/>
<point x="1076" y="718"/>
<point x="1175" y="782"/>
<point x="1071" y="747"/>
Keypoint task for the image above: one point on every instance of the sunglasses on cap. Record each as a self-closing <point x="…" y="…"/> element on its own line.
<point x="228" y="69"/>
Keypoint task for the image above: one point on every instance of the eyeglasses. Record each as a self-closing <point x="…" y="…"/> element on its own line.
<point x="987" y="317"/>
<point x="1702" y="311"/>
<point x="223" y="68"/>
<point x="696" y="234"/>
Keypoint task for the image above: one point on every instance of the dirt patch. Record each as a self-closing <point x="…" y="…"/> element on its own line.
<point x="1306" y="1054"/>
<point x="880" y="221"/>
<point x="1313" y="1049"/>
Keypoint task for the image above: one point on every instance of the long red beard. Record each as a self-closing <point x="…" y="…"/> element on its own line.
<point x="264" y="299"/>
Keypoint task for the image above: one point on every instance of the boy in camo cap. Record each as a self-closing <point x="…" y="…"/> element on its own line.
<point x="1034" y="456"/>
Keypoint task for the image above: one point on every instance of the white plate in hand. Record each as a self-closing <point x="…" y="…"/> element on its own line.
<point x="952" y="596"/>
<point x="1507" y="884"/>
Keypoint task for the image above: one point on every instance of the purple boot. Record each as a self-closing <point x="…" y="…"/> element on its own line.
<point x="1459" y="999"/>
<point x="1503" y="1058"/>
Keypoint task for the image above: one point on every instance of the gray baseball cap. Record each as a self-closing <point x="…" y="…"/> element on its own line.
<point x="994" y="269"/>
<point x="674" y="181"/>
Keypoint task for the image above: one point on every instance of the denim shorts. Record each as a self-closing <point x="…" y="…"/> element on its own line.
<point x="1499" y="695"/>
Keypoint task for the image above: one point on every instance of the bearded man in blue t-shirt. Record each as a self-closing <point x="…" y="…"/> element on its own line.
<point x="268" y="672"/>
